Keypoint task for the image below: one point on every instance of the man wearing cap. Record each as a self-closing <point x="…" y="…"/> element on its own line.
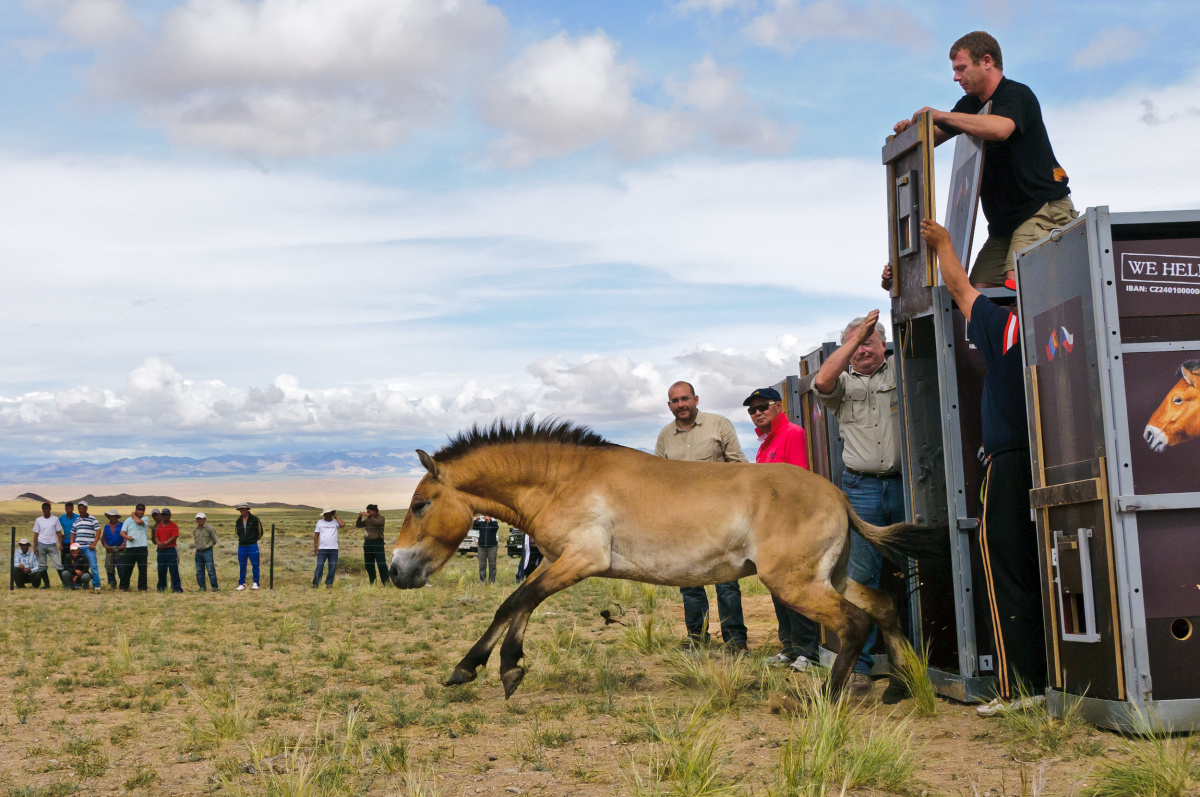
<point x="114" y="545"/>
<point x="325" y="545"/>
<point x="206" y="541"/>
<point x="249" y="532"/>
<point x="76" y="568"/>
<point x="696" y="436"/>
<point x="26" y="569"/>
<point x="782" y="442"/>
<point x="86" y="531"/>
<point x="372" y="524"/>
<point x="48" y="533"/>
<point x="135" y="531"/>
<point x="858" y="384"/>
<point x="155" y="519"/>
<point x="166" y="538"/>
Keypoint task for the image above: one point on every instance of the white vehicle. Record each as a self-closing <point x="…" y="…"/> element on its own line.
<point x="470" y="543"/>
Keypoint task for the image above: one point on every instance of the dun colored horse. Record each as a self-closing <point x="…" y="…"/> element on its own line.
<point x="599" y="509"/>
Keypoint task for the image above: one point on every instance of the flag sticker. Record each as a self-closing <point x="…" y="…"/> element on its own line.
<point x="1059" y="345"/>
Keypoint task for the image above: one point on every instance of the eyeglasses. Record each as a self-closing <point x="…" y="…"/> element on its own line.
<point x="757" y="408"/>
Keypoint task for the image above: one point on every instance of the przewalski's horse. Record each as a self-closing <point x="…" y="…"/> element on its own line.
<point x="599" y="509"/>
<point x="1178" y="417"/>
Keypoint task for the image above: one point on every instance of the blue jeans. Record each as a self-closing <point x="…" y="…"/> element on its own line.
<point x="797" y="633"/>
<point x="205" y="561"/>
<point x="880" y="502"/>
<point x="168" y="564"/>
<point x="91" y="555"/>
<point x="729" y="608"/>
<point x="324" y="555"/>
<point x="247" y="553"/>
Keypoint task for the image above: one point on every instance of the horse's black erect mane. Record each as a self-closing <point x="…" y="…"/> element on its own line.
<point x="523" y="430"/>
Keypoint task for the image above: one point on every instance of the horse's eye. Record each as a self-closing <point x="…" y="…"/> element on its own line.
<point x="419" y="506"/>
<point x="1178" y="399"/>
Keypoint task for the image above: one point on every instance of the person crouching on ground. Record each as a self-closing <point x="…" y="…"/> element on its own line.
<point x="325" y="545"/>
<point x="249" y="532"/>
<point x="206" y="541"/>
<point x="166" y="537"/>
<point x="25" y="566"/>
<point x="77" y="571"/>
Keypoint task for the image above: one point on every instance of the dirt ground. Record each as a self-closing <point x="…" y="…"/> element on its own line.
<point x="299" y="691"/>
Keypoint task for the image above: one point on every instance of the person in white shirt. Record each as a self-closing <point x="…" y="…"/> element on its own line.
<point x="25" y="566"/>
<point x="325" y="545"/>
<point x="48" y="533"/>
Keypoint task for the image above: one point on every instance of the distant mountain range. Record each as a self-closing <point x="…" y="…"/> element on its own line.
<point x="338" y="463"/>
<point x="125" y="499"/>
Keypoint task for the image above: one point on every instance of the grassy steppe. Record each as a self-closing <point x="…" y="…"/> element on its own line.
<point x="297" y="692"/>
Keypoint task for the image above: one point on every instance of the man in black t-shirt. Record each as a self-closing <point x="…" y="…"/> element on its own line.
<point x="1007" y="537"/>
<point x="1024" y="191"/>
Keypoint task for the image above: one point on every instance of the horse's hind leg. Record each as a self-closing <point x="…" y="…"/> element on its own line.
<point x="821" y="602"/>
<point x="481" y="651"/>
<point x="568" y="570"/>
<point x="882" y="608"/>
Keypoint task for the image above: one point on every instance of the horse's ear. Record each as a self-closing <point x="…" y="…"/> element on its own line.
<point x="1190" y="372"/>
<point x="430" y="465"/>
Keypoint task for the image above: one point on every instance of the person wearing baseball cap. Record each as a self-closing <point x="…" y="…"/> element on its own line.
<point x="782" y="442"/>
<point x="77" y="570"/>
<point x="114" y="545"/>
<point x="206" y="541"/>
<point x="135" y="532"/>
<point x="373" y="535"/>
<point x="249" y="532"/>
<point x="25" y="566"/>
<point x="48" y="532"/>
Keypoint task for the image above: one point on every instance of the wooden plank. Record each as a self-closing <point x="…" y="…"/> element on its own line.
<point x="1078" y="492"/>
<point x="897" y="145"/>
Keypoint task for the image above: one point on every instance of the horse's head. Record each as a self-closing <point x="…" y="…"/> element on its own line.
<point x="438" y="519"/>
<point x="1178" y="417"/>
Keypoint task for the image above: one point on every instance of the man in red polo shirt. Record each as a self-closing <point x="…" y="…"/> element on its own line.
<point x="166" y="537"/>
<point x="782" y="442"/>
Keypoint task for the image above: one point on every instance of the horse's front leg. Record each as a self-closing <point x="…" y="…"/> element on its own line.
<point x="481" y="651"/>
<point x="568" y="570"/>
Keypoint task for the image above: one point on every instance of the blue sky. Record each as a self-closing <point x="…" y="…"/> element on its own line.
<point x="309" y="224"/>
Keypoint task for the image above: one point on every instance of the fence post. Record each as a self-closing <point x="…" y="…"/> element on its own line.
<point x="272" y="583"/>
<point x="12" y="555"/>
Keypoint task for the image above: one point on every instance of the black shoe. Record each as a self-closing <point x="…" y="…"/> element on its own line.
<point x="737" y="648"/>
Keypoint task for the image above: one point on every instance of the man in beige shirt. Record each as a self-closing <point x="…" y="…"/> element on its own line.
<point x="858" y="384"/>
<point x="696" y="436"/>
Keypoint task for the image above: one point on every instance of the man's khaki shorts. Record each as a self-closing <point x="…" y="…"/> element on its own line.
<point x="995" y="258"/>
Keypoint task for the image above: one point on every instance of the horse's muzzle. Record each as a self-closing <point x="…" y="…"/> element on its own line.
<point x="409" y="569"/>
<point x="1155" y="438"/>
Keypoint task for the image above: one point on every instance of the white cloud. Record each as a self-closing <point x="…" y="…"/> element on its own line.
<point x="565" y="94"/>
<point x="790" y="24"/>
<point x="1109" y="46"/>
<point x="159" y="406"/>
<point x="713" y="6"/>
<point x="97" y="21"/>
<point x="289" y="78"/>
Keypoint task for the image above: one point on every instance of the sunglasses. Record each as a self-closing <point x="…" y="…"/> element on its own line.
<point x="757" y="408"/>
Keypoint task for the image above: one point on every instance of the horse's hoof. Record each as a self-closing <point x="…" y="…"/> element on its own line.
<point x="511" y="680"/>
<point x="461" y="675"/>
<point x="895" y="692"/>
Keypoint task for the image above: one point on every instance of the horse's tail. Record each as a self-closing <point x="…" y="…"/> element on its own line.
<point x="901" y="541"/>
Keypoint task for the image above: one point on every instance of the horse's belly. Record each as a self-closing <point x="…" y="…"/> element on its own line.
<point x="681" y="571"/>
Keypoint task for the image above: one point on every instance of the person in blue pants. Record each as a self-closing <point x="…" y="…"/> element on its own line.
<point x="858" y="383"/>
<point x="325" y="545"/>
<point x="249" y="532"/>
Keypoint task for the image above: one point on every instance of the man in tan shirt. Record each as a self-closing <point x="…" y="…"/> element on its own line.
<point x="858" y="384"/>
<point x="696" y="436"/>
